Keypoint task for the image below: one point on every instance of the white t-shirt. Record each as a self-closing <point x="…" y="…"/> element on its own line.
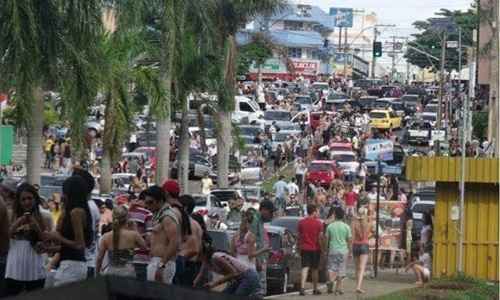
<point x="206" y="185"/>
<point x="292" y="188"/>
<point x="91" y="251"/>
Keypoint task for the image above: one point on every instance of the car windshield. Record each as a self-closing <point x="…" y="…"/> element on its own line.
<point x="275" y="240"/>
<point x="250" y="193"/>
<point x="429" y="117"/>
<point x="277" y="115"/>
<point x="281" y="137"/>
<point x="315" y="167"/>
<point x="420" y="126"/>
<point x="252" y="131"/>
<point x="290" y="127"/>
<point x="337" y="97"/>
<point x="431" y="108"/>
<point x="344" y="157"/>
<point x="378" y="115"/>
<point x="303" y="100"/>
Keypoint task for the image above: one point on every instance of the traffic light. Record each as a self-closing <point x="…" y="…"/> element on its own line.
<point x="377" y="49"/>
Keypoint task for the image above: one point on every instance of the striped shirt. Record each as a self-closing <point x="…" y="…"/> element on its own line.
<point x="143" y="219"/>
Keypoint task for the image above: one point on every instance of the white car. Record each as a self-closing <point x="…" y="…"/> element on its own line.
<point x="251" y="171"/>
<point x="347" y="161"/>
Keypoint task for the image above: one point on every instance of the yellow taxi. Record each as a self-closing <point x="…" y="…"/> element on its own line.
<point x="384" y="119"/>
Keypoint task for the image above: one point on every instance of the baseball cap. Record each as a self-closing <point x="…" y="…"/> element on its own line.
<point x="171" y="187"/>
<point x="267" y="204"/>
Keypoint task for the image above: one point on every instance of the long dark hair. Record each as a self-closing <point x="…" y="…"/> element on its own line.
<point x="75" y="192"/>
<point x="32" y="236"/>
<point x="17" y="207"/>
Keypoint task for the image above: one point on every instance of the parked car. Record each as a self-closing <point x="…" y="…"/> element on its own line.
<point x="251" y="171"/>
<point x="323" y="172"/>
<point x="221" y="240"/>
<point x="384" y="119"/>
<point x="284" y="263"/>
<point x="199" y="166"/>
<point x="303" y="102"/>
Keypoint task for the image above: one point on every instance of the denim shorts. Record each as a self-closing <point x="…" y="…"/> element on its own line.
<point x="360" y="249"/>
<point x="247" y="284"/>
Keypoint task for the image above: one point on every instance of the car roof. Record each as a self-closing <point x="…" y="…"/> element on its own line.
<point x="275" y="229"/>
<point x="380" y="110"/>
<point x="323" y="162"/>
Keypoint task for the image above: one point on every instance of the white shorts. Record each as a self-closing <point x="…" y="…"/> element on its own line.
<point x="427" y="274"/>
<point x="168" y="271"/>
<point x="70" y="271"/>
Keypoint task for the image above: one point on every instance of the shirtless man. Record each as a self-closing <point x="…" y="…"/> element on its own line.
<point x="165" y="236"/>
<point x="190" y="249"/>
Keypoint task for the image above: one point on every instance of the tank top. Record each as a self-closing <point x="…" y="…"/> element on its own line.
<point x="360" y="240"/>
<point x="235" y="264"/>
<point x="68" y="253"/>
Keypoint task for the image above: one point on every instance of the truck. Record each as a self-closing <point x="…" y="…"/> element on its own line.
<point x="422" y="132"/>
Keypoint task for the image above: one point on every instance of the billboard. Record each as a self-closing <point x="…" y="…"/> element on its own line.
<point x="342" y="16"/>
<point x="6" y="144"/>
<point x="306" y="66"/>
<point x="376" y="149"/>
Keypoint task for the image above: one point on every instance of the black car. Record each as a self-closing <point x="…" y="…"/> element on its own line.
<point x="283" y="265"/>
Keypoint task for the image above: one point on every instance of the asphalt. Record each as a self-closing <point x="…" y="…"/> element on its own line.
<point x="388" y="281"/>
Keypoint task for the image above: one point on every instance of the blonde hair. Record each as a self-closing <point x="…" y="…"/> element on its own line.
<point x="120" y="217"/>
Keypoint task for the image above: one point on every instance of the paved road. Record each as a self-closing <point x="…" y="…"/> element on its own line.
<point x="387" y="282"/>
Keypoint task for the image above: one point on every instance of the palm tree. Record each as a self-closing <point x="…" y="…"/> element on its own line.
<point x="39" y="42"/>
<point x="230" y="16"/>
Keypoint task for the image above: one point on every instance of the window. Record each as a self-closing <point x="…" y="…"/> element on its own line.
<point x="392" y="114"/>
<point x="295" y="52"/>
<point x="315" y="54"/>
<point x="293" y="25"/>
<point x="245" y="107"/>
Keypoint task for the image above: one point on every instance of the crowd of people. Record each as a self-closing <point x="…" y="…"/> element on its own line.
<point x="154" y="236"/>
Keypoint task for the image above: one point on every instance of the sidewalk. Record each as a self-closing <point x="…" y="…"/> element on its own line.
<point x="387" y="282"/>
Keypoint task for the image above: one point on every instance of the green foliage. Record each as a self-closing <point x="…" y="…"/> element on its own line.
<point x="51" y="116"/>
<point x="257" y="51"/>
<point x="429" y="40"/>
<point x="457" y="288"/>
<point x="480" y="124"/>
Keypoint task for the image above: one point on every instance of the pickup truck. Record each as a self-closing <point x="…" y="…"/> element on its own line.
<point x="423" y="133"/>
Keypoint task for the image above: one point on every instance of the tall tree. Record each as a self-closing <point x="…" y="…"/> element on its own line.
<point x="229" y="17"/>
<point x="429" y="39"/>
<point x="39" y="42"/>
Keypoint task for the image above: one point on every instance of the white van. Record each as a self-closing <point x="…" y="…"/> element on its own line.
<point x="246" y="108"/>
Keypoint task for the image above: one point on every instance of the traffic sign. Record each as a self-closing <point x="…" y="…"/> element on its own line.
<point x="342" y="16"/>
<point x="451" y="44"/>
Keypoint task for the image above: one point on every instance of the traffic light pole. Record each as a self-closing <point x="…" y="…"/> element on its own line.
<point x="374" y="58"/>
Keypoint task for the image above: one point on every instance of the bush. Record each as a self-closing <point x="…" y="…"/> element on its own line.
<point x="480" y="124"/>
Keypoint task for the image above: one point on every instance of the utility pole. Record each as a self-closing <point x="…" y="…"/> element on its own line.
<point x="340" y="38"/>
<point x="375" y="33"/>
<point x="393" y="66"/>
<point x="374" y="59"/>
<point x="441" y="89"/>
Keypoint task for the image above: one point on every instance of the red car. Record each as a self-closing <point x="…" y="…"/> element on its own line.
<point x="323" y="172"/>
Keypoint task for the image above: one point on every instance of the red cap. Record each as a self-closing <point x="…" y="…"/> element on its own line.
<point x="171" y="187"/>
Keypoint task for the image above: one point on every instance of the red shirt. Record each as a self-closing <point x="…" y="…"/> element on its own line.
<point x="310" y="229"/>
<point x="351" y="198"/>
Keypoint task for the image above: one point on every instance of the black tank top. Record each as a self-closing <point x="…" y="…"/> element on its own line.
<point x="68" y="253"/>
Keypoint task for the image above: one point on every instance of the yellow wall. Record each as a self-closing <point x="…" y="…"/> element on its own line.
<point x="448" y="169"/>
<point x="481" y="231"/>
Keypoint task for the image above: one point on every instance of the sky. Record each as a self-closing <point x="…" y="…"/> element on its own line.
<point x="402" y="13"/>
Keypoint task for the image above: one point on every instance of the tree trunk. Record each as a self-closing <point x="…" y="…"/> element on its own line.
<point x="259" y="74"/>
<point x="162" y="149"/>
<point x="224" y="142"/>
<point x="201" y="125"/>
<point x="35" y="131"/>
<point x="106" y="181"/>
<point x="183" y="158"/>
